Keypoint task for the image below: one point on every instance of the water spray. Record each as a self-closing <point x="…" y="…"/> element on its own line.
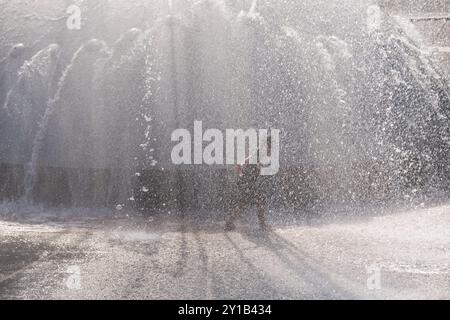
<point x="174" y="81"/>
<point x="253" y="7"/>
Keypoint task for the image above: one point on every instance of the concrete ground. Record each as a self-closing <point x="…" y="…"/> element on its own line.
<point x="402" y="254"/>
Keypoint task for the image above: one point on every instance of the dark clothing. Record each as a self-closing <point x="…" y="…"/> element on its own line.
<point x="252" y="187"/>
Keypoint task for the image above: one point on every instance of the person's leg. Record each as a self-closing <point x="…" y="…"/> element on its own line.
<point x="262" y="213"/>
<point x="262" y="202"/>
<point x="240" y="202"/>
<point x="230" y="226"/>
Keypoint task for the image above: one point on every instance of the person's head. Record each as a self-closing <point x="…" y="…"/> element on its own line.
<point x="269" y="143"/>
<point x="265" y="145"/>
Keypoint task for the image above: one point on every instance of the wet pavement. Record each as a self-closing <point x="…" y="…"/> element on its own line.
<point x="400" y="255"/>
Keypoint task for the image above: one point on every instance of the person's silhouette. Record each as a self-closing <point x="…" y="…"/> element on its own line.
<point x="252" y="188"/>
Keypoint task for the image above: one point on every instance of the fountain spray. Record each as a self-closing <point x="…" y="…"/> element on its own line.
<point x="253" y="7"/>
<point x="174" y="81"/>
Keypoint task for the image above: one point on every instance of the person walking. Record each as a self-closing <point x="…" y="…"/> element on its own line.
<point x="252" y="188"/>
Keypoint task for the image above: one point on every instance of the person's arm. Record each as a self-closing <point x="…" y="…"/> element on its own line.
<point x="240" y="166"/>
